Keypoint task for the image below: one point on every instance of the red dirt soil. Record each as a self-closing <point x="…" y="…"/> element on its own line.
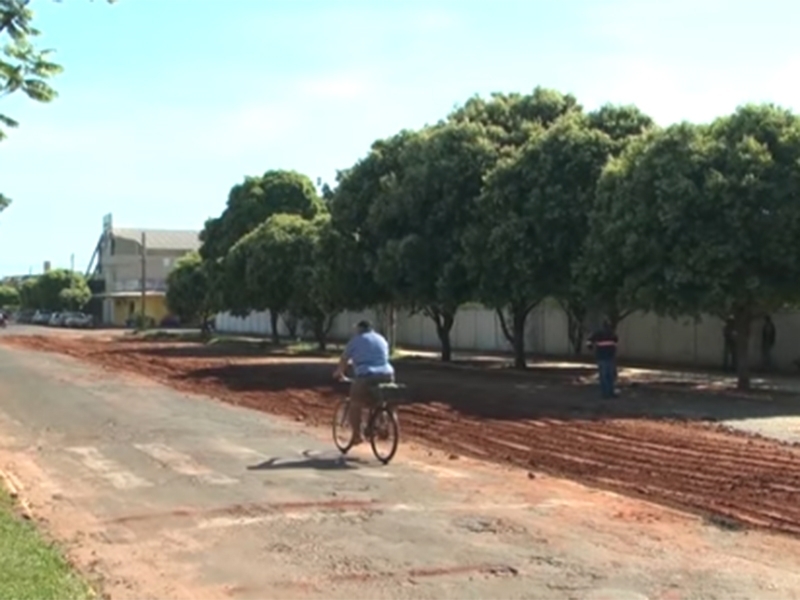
<point x="542" y="422"/>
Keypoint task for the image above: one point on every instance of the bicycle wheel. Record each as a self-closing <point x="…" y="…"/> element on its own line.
<point x="384" y="430"/>
<point x="342" y="431"/>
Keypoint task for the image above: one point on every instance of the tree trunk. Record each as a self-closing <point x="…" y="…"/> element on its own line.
<point x="576" y="317"/>
<point x="516" y="334"/>
<point x="742" y="322"/>
<point x="320" y="333"/>
<point x="291" y="325"/>
<point x="273" y="322"/>
<point x="444" y="321"/>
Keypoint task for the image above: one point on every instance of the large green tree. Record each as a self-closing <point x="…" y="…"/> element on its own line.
<point x="422" y="224"/>
<point x="28" y="294"/>
<point x="707" y="218"/>
<point x="59" y="289"/>
<point x="9" y="296"/>
<point x="511" y="119"/>
<point x="188" y="290"/>
<point x="252" y="202"/>
<point x="321" y="268"/>
<point x="264" y="265"/>
<point x="358" y="214"/>
<point x="551" y="185"/>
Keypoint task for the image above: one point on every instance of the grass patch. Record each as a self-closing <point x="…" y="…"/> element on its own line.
<point x="30" y="568"/>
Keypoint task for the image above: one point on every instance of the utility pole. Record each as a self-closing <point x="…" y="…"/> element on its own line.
<point x="144" y="278"/>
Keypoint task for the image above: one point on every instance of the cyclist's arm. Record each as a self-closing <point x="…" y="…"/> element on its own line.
<point x="344" y="361"/>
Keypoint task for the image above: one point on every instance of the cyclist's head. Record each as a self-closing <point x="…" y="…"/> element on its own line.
<point x="363" y="326"/>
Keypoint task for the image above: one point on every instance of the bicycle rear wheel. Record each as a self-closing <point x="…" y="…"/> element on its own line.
<point x="384" y="430"/>
<point x="342" y="431"/>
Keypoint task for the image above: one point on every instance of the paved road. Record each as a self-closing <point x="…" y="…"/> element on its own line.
<point x="162" y="495"/>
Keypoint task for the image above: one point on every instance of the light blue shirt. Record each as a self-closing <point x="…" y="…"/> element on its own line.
<point x="369" y="352"/>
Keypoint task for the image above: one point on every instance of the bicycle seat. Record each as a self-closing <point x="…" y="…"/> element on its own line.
<point x="391" y="386"/>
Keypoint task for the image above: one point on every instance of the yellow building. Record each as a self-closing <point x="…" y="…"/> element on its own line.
<point x="118" y="261"/>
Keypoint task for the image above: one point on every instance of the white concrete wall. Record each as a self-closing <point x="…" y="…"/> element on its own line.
<point x="644" y="337"/>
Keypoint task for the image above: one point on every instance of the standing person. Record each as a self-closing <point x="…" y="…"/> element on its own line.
<point x="604" y="343"/>
<point x="729" y="338"/>
<point x="768" y="337"/>
<point x="368" y="351"/>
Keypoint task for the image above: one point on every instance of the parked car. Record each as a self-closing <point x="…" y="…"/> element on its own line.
<point x="41" y="317"/>
<point x="79" y="320"/>
<point x="56" y="319"/>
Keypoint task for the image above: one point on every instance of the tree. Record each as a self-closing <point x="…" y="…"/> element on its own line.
<point x="74" y="298"/>
<point x="357" y="214"/>
<point x="598" y="273"/>
<point x="46" y="291"/>
<point x="320" y="291"/>
<point x="422" y="225"/>
<point x="558" y="173"/>
<point x="252" y="202"/>
<point x="267" y="261"/>
<point x="511" y="119"/>
<point x="28" y="298"/>
<point x="9" y="296"/>
<point x="711" y="218"/>
<point x="188" y="291"/>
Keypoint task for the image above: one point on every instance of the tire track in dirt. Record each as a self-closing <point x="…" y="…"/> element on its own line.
<point x="673" y="461"/>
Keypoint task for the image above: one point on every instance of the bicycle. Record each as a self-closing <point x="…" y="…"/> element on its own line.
<point x="382" y="422"/>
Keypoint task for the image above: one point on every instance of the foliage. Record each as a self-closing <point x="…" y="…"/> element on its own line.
<point x="516" y="198"/>
<point x="320" y="291"/>
<point x="9" y="296"/>
<point x="511" y="119"/>
<point x="356" y="214"/>
<point x="711" y="218"/>
<point x="421" y="226"/>
<point x="59" y="289"/>
<point x="188" y="291"/>
<point x="27" y="294"/>
<point x="74" y="298"/>
<point x="252" y="202"/>
<point x="267" y="260"/>
<point x="23" y="68"/>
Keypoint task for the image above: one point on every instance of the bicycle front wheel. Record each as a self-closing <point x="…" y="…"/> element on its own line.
<point x="342" y="431"/>
<point x="384" y="434"/>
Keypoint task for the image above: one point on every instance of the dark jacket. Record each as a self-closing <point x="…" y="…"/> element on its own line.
<point x="604" y="342"/>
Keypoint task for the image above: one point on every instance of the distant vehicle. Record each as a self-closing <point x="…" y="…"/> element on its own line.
<point x="79" y="320"/>
<point x="41" y="317"/>
<point x="55" y="319"/>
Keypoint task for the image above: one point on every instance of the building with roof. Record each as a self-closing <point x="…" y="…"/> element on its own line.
<point x="118" y="267"/>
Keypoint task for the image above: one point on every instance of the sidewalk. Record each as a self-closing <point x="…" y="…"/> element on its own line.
<point x="632" y="374"/>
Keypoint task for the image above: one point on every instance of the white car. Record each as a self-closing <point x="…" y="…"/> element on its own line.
<point x="79" y="320"/>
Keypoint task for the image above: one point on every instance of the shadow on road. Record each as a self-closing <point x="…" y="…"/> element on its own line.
<point x="339" y="462"/>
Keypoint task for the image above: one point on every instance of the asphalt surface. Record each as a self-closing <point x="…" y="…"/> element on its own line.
<point x="160" y="494"/>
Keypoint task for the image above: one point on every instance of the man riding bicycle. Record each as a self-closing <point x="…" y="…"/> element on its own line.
<point x="368" y="351"/>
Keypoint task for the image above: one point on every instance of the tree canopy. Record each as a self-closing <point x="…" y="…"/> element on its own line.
<point x="515" y="198"/>
<point x="9" y="296"/>
<point x="59" y="289"/>
<point x="188" y="290"/>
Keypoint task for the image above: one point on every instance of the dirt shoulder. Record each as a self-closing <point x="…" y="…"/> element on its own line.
<point x="663" y="445"/>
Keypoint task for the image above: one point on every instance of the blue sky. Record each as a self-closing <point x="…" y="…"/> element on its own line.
<point x="165" y="104"/>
